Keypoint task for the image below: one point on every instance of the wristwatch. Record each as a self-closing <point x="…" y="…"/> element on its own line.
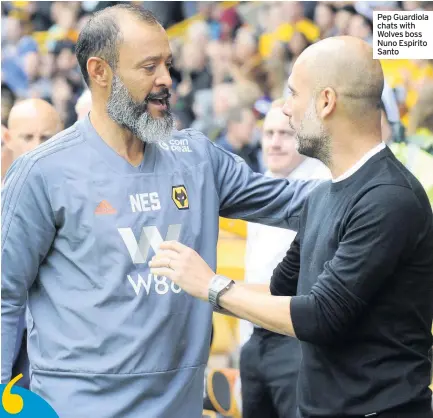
<point x="217" y="287"/>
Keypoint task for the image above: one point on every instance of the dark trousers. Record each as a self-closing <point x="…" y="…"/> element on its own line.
<point x="269" y="367"/>
<point x="414" y="410"/>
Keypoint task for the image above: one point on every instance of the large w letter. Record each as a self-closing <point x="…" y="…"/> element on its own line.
<point x="150" y="237"/>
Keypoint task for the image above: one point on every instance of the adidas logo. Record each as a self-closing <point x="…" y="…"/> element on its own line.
<point x="104" y="208"/>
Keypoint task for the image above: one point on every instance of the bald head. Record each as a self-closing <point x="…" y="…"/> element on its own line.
<point x="336" y="90"/>
<point x="30" y="123"/>
<point x="346" y="65"/>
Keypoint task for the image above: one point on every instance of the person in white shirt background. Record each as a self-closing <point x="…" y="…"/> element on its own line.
<point x="269" y="362"/>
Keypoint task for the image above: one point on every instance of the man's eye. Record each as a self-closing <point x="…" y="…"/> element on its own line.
<point x="150" y="68"/>
<point x="169" y="65"/>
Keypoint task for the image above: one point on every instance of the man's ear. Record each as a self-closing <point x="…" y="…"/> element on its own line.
<point x="6" y="136"/>
<point x="328" y="101"/>
<point x="99" y="71"/>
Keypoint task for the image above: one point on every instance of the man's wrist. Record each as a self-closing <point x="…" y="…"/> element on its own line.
<point x="218" y="286"/>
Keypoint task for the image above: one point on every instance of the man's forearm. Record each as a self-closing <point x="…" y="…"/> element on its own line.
<point x="256" y="287"/>
<point x="269" y="312"/>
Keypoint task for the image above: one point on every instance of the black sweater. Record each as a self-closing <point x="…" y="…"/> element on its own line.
<point x="362" y="269"/>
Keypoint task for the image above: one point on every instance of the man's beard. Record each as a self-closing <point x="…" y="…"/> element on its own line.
<point x="311" y="137"/>
<point x="123" y="110"/>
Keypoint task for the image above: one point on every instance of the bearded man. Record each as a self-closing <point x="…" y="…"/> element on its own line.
<point x="84" y="213"/>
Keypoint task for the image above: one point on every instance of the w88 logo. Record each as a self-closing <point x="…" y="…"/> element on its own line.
<point x="158" y="284"/>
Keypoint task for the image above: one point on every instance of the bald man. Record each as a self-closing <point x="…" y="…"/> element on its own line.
<point x="356" y="286"/>
<point x="31" y="122"/>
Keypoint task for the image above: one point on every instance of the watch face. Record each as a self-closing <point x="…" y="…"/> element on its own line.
<point x="221" y="283"/>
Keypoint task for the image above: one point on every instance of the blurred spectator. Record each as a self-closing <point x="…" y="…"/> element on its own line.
<point x="292" y="12"/>
<point x="195" y="76"/>
<point x="276" y="79"/>
<point x="420" y="129"/>
<point x="42" y="86"/>
<point x="342" y="19"/>
<point x="64" y="15"/>
<point x="361" y="26"/>
<point x="247" y="62"/>
<point x="13" y="31"/>
<point x="210" y="12"/>
<point x="198" y="33"/>
<point x="63" y="100"/>
<point x="20" y="67"/>
<point x="30" y="123"/>
<point x="414" y="75"/>
<point x="67" y="65"/>
<point x="240" y="139"/>
<point x="248" y="93"/>
<point x="41" y="17"/>
<point x="203" y="112"/>
<point x="297" y="44"/>
<point x="284" y="18"/>
<point x="229" y="23"/>
<point x="221" y="61"/>
<point x="224" y="97"/>
<point x="415" y="150"/>
<point x="324" y="17"/>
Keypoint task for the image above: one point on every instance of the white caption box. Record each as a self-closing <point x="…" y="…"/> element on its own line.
<point x="402" y="35"/>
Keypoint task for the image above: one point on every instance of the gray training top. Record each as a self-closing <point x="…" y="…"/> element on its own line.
<point x="106" y="338"/>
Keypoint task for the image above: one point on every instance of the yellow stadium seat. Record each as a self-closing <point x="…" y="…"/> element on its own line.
<point x="284" y="33"/>
<point x="230" y="263"/>
<point x="235" y="226"/>
<point x="224" y="339"/>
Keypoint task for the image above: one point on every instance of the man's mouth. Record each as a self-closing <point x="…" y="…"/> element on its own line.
<point x="161" y="100"/>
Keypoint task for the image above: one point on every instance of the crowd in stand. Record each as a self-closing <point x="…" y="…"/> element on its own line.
<point x="230" y="62"/>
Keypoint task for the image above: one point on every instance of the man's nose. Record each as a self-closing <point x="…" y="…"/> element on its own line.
<point x="276" y="140"/>
<point x="287" y="107"/>
<point x="164" y="78"/>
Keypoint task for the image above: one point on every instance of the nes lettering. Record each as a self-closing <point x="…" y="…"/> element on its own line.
<point x="144" y="202"/>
